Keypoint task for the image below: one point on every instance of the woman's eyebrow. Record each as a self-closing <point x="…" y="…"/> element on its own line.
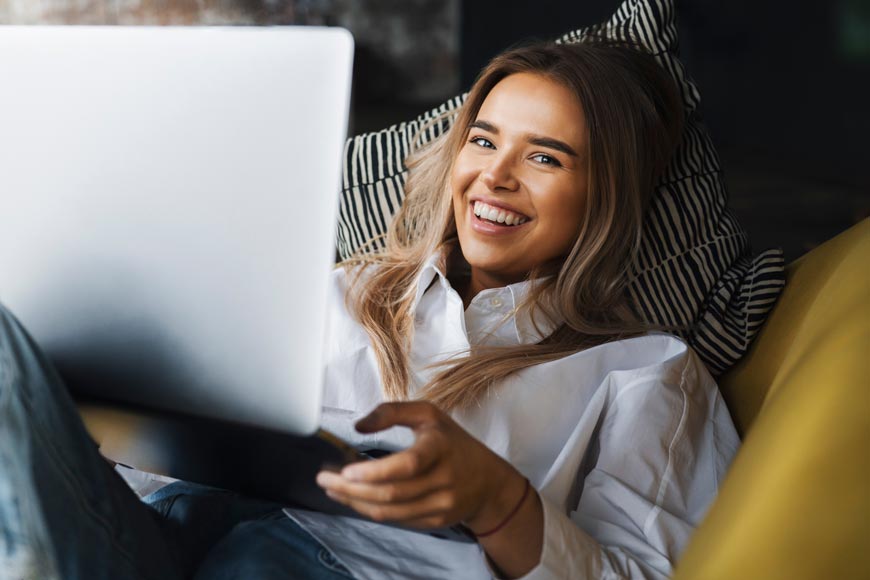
<point x="539" y="140"/>
<point x="553" y="144"/>
<point x="485" y="125"/>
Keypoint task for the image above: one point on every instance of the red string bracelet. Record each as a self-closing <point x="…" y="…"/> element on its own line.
<point x="510" y="515"/>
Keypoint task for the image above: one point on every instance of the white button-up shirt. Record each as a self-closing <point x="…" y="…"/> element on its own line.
<point x="625" y="442"/>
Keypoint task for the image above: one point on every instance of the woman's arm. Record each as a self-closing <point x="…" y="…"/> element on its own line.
<point x="515" y="549"/>
<point x="664" y="441"/>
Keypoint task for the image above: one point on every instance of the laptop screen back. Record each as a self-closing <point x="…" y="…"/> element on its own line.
<point x="169" y="199"/>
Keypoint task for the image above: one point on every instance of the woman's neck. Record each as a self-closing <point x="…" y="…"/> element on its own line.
<point x="469" y="282"/>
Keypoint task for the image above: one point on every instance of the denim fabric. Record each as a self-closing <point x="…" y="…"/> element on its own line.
<point x="66" y="514"/>
<point x="216" y="534"/>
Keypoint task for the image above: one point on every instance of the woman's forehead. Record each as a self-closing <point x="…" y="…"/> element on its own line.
<point x="527" y="103"/>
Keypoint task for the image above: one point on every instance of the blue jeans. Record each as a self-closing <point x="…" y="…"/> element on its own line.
<point x="65" y="513"/>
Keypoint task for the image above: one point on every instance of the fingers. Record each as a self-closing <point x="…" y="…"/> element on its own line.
<point x="412" y="462"/>
<point x="430" y="484"/>
<point x="390" y="492"/>
<point x="432" y="510"/>
<point x="409" y="414"/>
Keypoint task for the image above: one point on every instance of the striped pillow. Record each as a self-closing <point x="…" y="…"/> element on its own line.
<point x="695" y="268"/>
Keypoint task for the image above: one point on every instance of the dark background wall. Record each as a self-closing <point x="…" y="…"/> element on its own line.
<point x="784" y="85"/>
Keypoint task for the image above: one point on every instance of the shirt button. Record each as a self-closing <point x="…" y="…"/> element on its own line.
<point x="496" y="302"/>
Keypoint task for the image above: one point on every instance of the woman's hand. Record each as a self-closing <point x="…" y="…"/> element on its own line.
<point x="447" y="476"/>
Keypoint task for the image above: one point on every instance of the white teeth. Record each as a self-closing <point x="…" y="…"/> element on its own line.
<point x="494" y="214"/>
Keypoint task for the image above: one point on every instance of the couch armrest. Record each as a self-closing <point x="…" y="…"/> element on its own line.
<point x="795" y="504"/>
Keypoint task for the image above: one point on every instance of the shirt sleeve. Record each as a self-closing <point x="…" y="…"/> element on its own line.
<point x="663" y="445"/>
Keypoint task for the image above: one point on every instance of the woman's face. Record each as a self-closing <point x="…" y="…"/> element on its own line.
<point x="519" y="181"/>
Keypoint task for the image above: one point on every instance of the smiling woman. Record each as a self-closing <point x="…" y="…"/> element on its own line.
<point x="570" y="139"/>
<point x="497" y="324"/>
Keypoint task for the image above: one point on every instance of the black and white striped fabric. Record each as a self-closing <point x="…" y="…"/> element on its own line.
<point x="695" y="269"/>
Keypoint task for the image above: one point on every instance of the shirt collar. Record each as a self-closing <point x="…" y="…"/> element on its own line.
<point x="496" y="302"/>
<point x="503" y="303"/>
<point x="435" y="266"/>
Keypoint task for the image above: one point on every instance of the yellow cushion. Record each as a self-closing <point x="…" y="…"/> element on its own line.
<point x="796" y="503"/>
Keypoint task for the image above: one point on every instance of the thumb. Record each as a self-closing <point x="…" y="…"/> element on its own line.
<point x="409" y="414"/>
<point x="374" y="421"/>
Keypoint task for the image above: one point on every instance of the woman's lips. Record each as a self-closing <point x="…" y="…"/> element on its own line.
<point x="487" y="227"/>
<point x="497" y="212"/>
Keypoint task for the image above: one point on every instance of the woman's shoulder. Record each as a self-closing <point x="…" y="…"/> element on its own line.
<point x="654" y="357"/>
<point x="660" y="361"/>
<point x="651" y="348"/>
<point x="644" y="350"/>
<point x="347" y="335"/>
<point x="348" y="277"/>
<point x="346" y="274"/>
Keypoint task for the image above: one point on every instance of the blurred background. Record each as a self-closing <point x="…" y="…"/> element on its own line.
<point x="785" y="85"/>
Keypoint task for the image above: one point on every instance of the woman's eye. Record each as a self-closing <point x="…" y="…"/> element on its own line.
<point x="481" y="142"/>
<point x="546" y="160"/>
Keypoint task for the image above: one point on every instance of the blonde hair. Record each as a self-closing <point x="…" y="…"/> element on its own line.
<point x="634" y="119"/>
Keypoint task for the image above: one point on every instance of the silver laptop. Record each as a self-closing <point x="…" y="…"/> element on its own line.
<point x="168" y="200"/>
<point x="168" y="203"/>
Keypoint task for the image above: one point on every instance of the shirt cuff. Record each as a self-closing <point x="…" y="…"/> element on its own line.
<point x="568" y="551"/>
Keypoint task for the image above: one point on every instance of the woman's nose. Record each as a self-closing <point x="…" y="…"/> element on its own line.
<point x="499" y="174"/>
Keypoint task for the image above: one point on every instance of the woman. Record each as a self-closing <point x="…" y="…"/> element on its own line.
<point x="543" y="415"/>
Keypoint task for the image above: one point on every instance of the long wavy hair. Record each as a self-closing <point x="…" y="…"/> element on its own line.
<point x="634" y="117"/>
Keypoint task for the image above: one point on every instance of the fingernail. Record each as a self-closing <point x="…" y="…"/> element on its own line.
<point x="352" y="473"/>
<point x="323" y="478"/>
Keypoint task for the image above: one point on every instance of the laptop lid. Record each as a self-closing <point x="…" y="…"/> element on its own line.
<point x="169" y="202"/>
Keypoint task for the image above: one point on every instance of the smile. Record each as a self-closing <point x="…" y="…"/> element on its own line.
<point x="498" y="215"/>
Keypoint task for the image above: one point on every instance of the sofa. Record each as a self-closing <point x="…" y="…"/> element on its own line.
<point x="796" y="501"/>
<point x="795" y="504"/>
